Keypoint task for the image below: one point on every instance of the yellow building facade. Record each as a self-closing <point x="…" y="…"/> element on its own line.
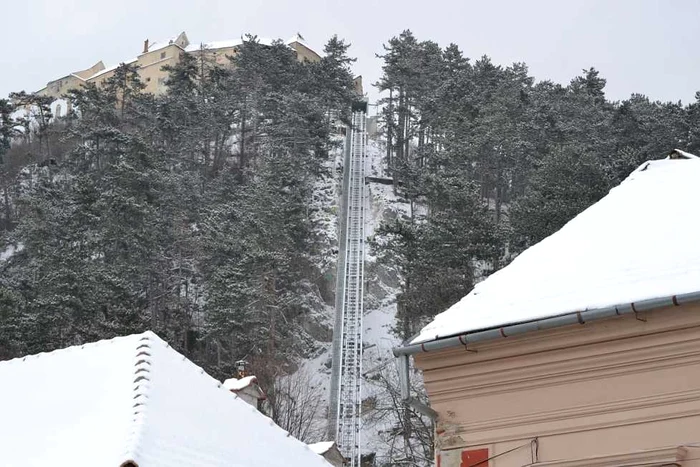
<point x="155" y="55"/>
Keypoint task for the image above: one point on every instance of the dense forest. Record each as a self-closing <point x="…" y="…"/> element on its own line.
<point x="492" y="161"/>
<point x="189" y="214"/>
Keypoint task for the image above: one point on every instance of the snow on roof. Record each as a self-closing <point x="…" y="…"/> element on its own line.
<point x="179" y="40"/>
<point x="676" y="153"/>
<point x="132" y="399"/>
<point x="297" y="38"/>
<point x="214" y="45"/>
<point x="237" y="42"/>
<point x="639" y="242"/>
<point x="227" y="44"/>
<point x="234" y="384"/>
<point x="322" y="447"/>
<point x="111" y="68"/>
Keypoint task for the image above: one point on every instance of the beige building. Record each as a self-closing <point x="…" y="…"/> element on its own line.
<point x="155" y="55"/>
<point x="585" y="350"/>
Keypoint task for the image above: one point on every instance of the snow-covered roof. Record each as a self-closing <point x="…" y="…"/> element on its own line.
<point x="234" y="384"/>
<point x="297" y="38"/>
<point x="322" y="447"/>
<point x="237" y="42"/>
<point x="111" y="68"/>
<point x="179" y="40"/>
<point x="639" y="242"/>
<point x="132" y="399"/>
<point x="677" y="153"/>
<point x="227" y="44"/>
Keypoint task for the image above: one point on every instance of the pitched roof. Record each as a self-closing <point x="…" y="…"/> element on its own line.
<point x="132" y="399"/>
<point x="111" y="68"/>
<point x="238" y="42"/>
<point x="639" y="242"/>
<point x="249" y="382"/>
<point x="180" y="40"/>
<point x="227" y="44"/>
<point x="234" y="384"/>
<point x="322" y="447"/>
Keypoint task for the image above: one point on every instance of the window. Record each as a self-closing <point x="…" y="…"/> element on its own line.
<point x="148" y="80"/>
<point x="162" y="55"/>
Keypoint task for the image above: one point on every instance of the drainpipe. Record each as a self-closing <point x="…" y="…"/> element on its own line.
<point x="405" y="385"/>
<point x="581" y="317"/>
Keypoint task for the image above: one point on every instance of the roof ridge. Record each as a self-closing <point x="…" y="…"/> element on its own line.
<point x="143" y="361"/>
<point x="73" y="348"/>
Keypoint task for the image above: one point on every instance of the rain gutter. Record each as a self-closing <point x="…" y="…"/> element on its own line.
<point x="580" y="317"/>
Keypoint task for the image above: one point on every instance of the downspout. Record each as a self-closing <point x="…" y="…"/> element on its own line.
<point x="403" y="352"/>
<point x="405" y="385"/>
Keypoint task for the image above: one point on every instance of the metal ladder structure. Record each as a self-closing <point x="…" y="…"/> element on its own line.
<point x="346" y="397"/>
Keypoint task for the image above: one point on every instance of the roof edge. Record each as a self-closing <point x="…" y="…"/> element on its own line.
<point x="680" y="154"/>
<point x="580" y="317"/>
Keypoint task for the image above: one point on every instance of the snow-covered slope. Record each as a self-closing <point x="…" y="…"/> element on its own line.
<point x="381" y="287"/>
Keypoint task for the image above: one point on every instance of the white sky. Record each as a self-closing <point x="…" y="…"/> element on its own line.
<point x="643" y="46"/>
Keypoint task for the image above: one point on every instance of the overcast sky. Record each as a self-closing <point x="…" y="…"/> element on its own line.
<point x="643" y="46"/>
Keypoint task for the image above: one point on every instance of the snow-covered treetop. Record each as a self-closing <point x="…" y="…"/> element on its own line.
<point x="639" y="242"/>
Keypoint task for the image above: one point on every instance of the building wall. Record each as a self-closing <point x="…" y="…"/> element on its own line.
<point x="357" y="84"/>
<point x="150" y="66"/>
<point x="304" y="53"/>
<point x="334" y="457"/>
<point x="61" y="86"/>
<point x="585" y="395"/>
<point x="88" y="72"/>
<point x="100" y="79"/>
<point x="219" y="56"/>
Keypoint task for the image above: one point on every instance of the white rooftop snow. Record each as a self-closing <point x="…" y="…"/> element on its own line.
<point x="639" y="242"/>
<point x="238" y="42"/>
<point x="227" y="44"/>
<point x="132" y="399"/>
<point x="299" y="39"/>
<point x="111" y="68"/>
<point x="322" y="447"/>
<point x="234" y="384"/>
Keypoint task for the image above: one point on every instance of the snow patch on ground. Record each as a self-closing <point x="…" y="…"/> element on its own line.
<point x="324" y="212"/>
<point x="10" y="251"/>
<point x="381" y="286"/>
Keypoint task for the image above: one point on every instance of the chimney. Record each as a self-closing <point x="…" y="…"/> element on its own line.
<point x="248" y="389"/>
<point x="241" y="367"/>
<point x="145" y="46"/>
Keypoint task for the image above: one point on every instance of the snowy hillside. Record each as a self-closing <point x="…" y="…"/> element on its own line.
<point x="381" y="286"/>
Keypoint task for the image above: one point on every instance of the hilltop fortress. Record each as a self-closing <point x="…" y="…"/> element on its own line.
<point x="154" y="56"/>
